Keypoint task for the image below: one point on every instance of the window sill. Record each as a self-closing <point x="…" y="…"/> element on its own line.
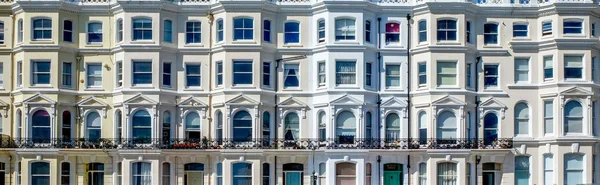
<point x="321" y="42"/>
<point x="42" y="42"/>
<point x="142" y="42"/>
<point x="576" y="35"/>
<point x="522" y="38"/>
<point x="93" y="89"/>
<point x="346" y="86"/>
<point x="547" y="36"/>
<point x="546" y="80"/>
<point x="40" y="86"/>
<point x="448" y="87"/>
<point x="574" y="80"/>
<point x="321" y="87"/>
<point x="2" y="45"/>
<point x="245" y="86"/>
<point x="142" y="87"/>
<point x="394" y="45"/>
<point x="492" y="89"/>
<point x="450" y="43"/>
<point x="346" y="42"/>
<point x="492" y="46"/>
<point x="93" y="44"/>
<point x="193" y="45"/>
<point x="243" y="42"/>
<point x="291" y="89"/>
<point x="293" y="45"/>
<point x="194" y="88"/>
<point x="421" y="44"/>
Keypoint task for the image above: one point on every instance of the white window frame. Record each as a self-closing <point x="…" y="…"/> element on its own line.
<point x="368" y="31"/>
<point x="42" y="29"/>
<point x="580" y="68"/>
<point x="88" y="75"/>
<point x="193" y="22"/>
<point x="399" y="75"/>
<point x="343" y="32"/>
<point x="119" y="28"/>
<point x="321" y="30"/>
<point x="520" y="81"/>
<point x="251" y="72"/>
<point x="392" y="33"/>
<point x="346" y="73"/>
<point x="67" y="75"/>
<point x="34" y="73"/>
<point x="321" y="74"/>
<point x="447" y="30"/>
<point x="69" y="175"/>
<point x="528" y="119"/>
<point x="266" y="73"/>
<point x="526" y="29"/>
<point x="142" y="29"/>
<point x="219" y="74"/>
<point x="422" y="31"/>
<point x="548" y="169"/>
<point x="369" y="74"/>
<point x="285" y="32"/>
<point x="267" y="32"/>
<point x="119" y="74"/>
<point x="167" y="73"/>
<point x="546" y="33"/>
<point x="546" y="67"/>
<point x="548" y="118"/>
<point x="297" y="75"/>
<point x="1" y="80"/>
<point x="88" y="32"/>
<point x="40" y="175"/>
<point x="19" y="74"/>
<point x="140" y="175"/>
<point x="65" y="30"/>
<point x="581" y="29"/>
<point x="243" y="29"/>
<point x="422" y="74"/>
<point x="193" y="75"/>
<point x="492" y="76"/>
<point x="220" y="31"/>
<point x="167" y="32"/>
<point x="497" y="34"/>
<point x="439" y="77"/>
<point x="133" y="73"/>
<point x="20" y="31"/>
<point x="469" y="75"/>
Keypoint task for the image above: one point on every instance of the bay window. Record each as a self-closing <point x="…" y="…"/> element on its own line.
<point x="345" y="29"/>
<point x="243" y="29"/>
<point x="142" y="29"/>
<point x="142" y="73"/>
<point x="242" y="73"/>
<point x="42" y="29"/>
<point x="446" y="73"/>
<point x="345" y="73"/>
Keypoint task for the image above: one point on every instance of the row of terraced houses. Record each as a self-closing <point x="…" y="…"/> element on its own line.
<point x="299" y="92"/>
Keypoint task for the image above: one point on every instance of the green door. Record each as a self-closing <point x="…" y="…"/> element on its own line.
<point x="392" y="174"/>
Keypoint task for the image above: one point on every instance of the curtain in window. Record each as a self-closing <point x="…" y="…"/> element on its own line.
<point x="392" y="75"/>
<point x="94" y="75"/>
<point x="447" y="174"/>
<point x="521" y="119"/>
<point x="345" y="124"/>
<point x="322" y="126"/>
<point x="142" y="173"/>
<point x="345" y="72"/>
<point x="522" y="170"/>
<point x="292" y="127"/>
<point x="446" y="73"/>
<point x="93" y="124"/>
<point x="345" y="29"/>
<point x="446" y="125"/>
<point x="548" y="117"/>
<point x="573" y="117"/>
<point x="521" y="70"/>
<point x="392" y="127"/>
<point x="573" y="66"/>
<point x="291" y="75"/>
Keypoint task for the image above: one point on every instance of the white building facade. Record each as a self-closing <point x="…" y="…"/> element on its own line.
<point x="307" y="92"/>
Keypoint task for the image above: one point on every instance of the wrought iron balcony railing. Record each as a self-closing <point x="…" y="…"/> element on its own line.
<point x="280" y="144"/>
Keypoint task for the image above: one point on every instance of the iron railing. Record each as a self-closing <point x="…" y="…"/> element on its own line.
<point x="281" y="144"/>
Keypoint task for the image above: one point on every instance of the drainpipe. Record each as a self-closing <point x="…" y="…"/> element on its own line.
<point x="210" y="69"/>
<point x="408" y="106"/>
<point x="408" y="169"/>
<point x="379" y="169"/>
<point x="12" y="82"/>
<point x="378" y="118"/>
<point x="476" y="127"/>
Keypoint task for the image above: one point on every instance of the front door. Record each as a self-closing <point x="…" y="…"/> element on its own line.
<point x="392" y="178"/>
<point x="488" y="178"/>
<point x="194" y="178"/>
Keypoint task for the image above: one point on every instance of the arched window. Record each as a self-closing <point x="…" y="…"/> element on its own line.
<point x="266" y="175"/>
<point x="446" y="30"/>
<point x="345" y="173"/>
<point x="40" y="173"/>
<point x="142" y="126"/>
<point x="447" y="173"/>
<point x="423" y="127"/>
<point x="521" y="119"/>
<point x="166" y="126"/>
<point x="469" y="125"/>
<point x="142" y="29"/>
<point x="446" y="125"/>
<point x="168" y="31"/>
<point x="94" y="33"/>
<point x="242" y="173"/>
<point x="345" y="127"/>
<point x="291" y="32"/>
<point x="65" y="174"/>
<point x="266" y="127"/>
<point x="392" y="33"/>
<point x="321" y="30"/>
<point x="491" y="172"/>
<point x="573" y="169"/>
<point x="141" y="173"/>
<point x="119" y="123"/>
<point x="119" y="173"/>
<point x="219" y="121"/>
<point x="422" y="173"/>
<point x="192" y="126"/>
<point x="345" y="29"/>
<point x="368" y="126"/>
<point x="95" y="173"/>
<point x="192" y="32"/>
<point x="93" y="126"/>
<point x="242" y="127"/>
<point x="243" y="29"/>
<point x="490" y="128"/>
<point x="166" y="173"/>
<point x="220" y="30"/>
<point x="40" y="127"/>
<point x="573" y="118"/>
<point x="291" y="127"/>
<point x="66" y="125"/>
<point x="322" y="126"/>
<point x="119" y="30"/>
<point x="392" y="127"/>
<point x="193" y="174"/>
<point x="19" y="124"/>
<point x="42" y="29"/>
<point x="522" y="169"/>
<point x="368" y="173"/>
<point x="548" y="169"/>
<point x="490" y="33"/>
<point x="292" y="173"/>
<point x="68" y="31"/>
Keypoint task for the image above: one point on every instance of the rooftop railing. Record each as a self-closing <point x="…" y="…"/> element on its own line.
<point x="276" y="144"/>
<point x="310" y="2"/>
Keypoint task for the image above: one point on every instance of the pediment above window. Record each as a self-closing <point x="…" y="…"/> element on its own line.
<point x="92" y="103"/>
<point x="39" y="99"/>
<point x="346" y="100"/>
<point x="242" y="100"/>
<point x="394" y="103"/>
<point x="576" y="91"/>
<point x="140" y="100"/>
<point x="192" y="102"/>
<point x="492" y="104"/>
<point x="292" y="102"/>
<point x="448" y="101"/>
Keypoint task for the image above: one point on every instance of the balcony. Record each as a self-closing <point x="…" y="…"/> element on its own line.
<point x="269" y="144"/>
